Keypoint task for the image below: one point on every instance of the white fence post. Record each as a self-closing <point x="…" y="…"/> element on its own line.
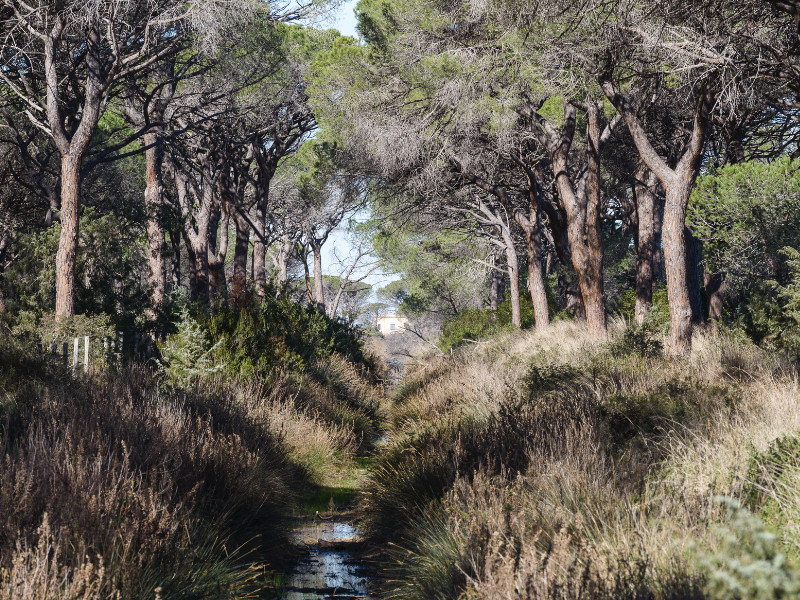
<point x="75" y="343"/>
<point x="86" y="354"/>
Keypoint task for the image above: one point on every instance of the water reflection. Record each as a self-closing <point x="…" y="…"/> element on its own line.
<point x="329" y="569"/>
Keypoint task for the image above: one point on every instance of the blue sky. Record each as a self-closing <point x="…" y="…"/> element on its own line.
<point x="346" y="22"/>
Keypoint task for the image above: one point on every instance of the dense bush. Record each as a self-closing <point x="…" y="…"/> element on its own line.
<point x="109" y="269"/>
<point x="274" y="333"/>
<point x="748" y="562"/>
<point x="772" y="314"/>
<point x="481" y="323"/>
<point x="657" y="314"/>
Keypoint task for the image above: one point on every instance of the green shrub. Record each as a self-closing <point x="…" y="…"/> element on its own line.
<point x="641" y="340"/>
<point x="747" y="565"/>
<point x="188" y="354"/>
<point x="481" y="323"/>
<point x="275" y="333"/>
<point x="657" y="314"/>
<point x="771" y="315"/>
<point x="108" y="253"/>
<point x="32" y="328"/>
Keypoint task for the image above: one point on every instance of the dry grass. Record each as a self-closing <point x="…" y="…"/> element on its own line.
<point x="116" y="485"/>
<point x="554" y="466"/>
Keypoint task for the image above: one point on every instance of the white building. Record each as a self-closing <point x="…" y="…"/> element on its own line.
<point x="388" y="324"/>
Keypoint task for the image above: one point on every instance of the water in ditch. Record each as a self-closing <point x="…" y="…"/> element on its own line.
<point x="330" y="566"/>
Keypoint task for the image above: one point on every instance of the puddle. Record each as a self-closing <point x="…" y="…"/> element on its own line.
<point x="329" y="569"/>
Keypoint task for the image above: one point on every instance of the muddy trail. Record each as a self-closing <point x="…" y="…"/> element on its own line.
<point x="332" y="558"/>
<point x="330" y="562"/>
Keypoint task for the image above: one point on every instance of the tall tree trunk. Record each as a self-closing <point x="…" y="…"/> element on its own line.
<point x="319" y="288"/>
<point x="693" y="276"/>
<point x="493" y="218"/>
<point x="175" y="241"/>
<point x="201" y="271"/>
<point x="194" y="285"/>
<point x="72" y="148"/>
<point x="596" y="301"/>
<point x="531" y="226"/>
<point x="513" y="276"/>
<point x="584" y="257"/>
<point x="240" y="250"/>
<point x="658" y="230"/>
<point x="498" y="285"/>
<point x="580" y="201"/>
<point x="283" y="259"/>
<point x="309" y="293"/>
<point x="644" y="206"/>
<point x="260" y="249"/>
<point x="678" y="183"/>
<point x="680" y="305"/>
<point x="68" y="241"/>
<point x="156" y="238"/>
<point x="715" y="291"/>
<point x="216" y="258"/>
<point x="536" y="285"/>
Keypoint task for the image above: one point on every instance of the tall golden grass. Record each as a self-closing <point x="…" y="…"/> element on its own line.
<point x="556" y="466"/>
<point x="114" y="485"/>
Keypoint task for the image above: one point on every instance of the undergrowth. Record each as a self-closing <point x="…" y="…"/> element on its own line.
<point x="554" y="466"/>
<point x="174" y="482"/>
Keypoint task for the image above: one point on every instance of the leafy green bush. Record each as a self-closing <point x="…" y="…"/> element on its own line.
<point x="747" y="564"/>
<point x="33" y="328"/>
<point x="772" y="313"/>
<point x="658" y="313"/>
<point x="482" y="323"/>
<point x="275" y="333"/>
<point x="188" y="354"/>
<point x="108" y="253"/>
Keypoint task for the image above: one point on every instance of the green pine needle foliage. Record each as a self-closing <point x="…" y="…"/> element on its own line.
<point x="188" y="354"/>
<point x="747" y="563"/>
<point x="275" y="334"/>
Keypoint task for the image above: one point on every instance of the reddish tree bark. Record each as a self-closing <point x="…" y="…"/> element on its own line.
<point x="678" y="184"/>
<point x="156" y="238"/>
<point x="643" y="221"/>
<point x="72" y="149"/>
<point x="580" y="201"/>
<point x="68" y="240"/>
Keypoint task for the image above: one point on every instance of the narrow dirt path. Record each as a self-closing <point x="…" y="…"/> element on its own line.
<point x="331" y="565"/>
